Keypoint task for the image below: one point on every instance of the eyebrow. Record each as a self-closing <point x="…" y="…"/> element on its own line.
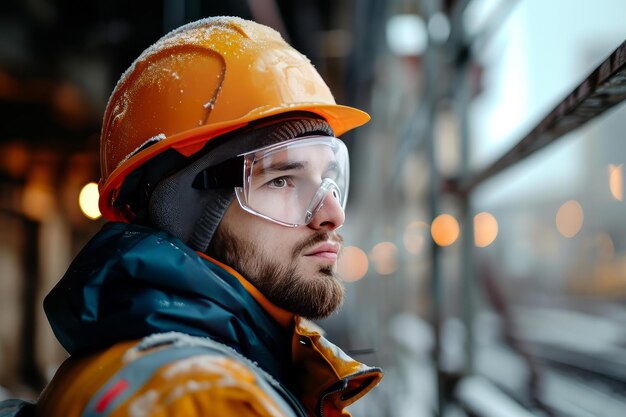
<point x="333" y="166"/>
<point x="283" y="166"/>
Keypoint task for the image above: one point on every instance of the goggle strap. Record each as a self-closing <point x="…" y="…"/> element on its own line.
<point x="223" y="175"/>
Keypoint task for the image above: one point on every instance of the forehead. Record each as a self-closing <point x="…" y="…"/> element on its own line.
<point x="309" y="155"/>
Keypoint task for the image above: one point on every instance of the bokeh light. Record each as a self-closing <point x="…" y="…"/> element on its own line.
<point x="445" y="230"/>
<point x="384" y="255"/>
<point x="569" y="218"/>
<point x="406" y="34"/>
<point x="615" y="182"/>
<point x="485" y="229"/>
<point x="88" y="201"/>
<point x="414" y="237"/>
<point x="37" y="201"/>
<point x="353" y="264"/>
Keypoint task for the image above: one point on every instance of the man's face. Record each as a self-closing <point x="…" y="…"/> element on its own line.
<point x="294" y="267"/>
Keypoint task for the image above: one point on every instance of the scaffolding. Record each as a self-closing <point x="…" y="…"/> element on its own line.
<point x="601" y="90"/>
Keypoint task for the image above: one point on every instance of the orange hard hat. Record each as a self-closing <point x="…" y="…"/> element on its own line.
<point x="198" y="82"/>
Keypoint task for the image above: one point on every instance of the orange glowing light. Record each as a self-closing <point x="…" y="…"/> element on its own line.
<point x="384" y="255"/>
<point x="37" y="201"/>
<point x="88" y="201"/>
<point x="569" y="218"/>
<point x="485" y="229"/>
<point x="445" y="230"/>
<point x="615" y="182"/>
<point x="353" y="264"/>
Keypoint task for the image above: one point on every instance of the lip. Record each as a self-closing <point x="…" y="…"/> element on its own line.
<point x="325" y="251"/>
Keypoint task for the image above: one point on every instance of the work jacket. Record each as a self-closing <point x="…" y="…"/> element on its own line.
<point x="156" y="329"/>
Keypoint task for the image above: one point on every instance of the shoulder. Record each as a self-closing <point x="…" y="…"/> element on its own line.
<point x="167" y="380"/>
<point x="209" y="384"/>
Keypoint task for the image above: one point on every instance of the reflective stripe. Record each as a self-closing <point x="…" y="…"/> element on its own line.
<point x="174" y="347"/>
<point x="136" y="374"/>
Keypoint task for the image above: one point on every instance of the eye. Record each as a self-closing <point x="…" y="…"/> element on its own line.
<point x="280" y="182"/>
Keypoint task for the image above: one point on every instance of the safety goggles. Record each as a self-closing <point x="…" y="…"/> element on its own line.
<point x="286" y="183"/>
<point x="289" y="182"/>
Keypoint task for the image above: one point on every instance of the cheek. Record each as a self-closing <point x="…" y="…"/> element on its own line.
<point x="273" y="241"/>
<point x="270" y="239"/>
<point x="257" y="231"/>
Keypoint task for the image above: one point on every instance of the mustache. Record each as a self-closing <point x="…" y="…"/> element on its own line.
<point x="314" y="240"/>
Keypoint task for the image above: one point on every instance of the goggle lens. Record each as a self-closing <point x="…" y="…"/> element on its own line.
<point x="289" y="182"/>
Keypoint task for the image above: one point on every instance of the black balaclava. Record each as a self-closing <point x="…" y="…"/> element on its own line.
<point x="193" y="214"/>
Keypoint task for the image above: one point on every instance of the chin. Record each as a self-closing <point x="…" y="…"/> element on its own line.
<point x="329" y="271"/>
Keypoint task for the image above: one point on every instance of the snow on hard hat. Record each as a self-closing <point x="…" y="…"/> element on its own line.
<point x="198" y="82"/>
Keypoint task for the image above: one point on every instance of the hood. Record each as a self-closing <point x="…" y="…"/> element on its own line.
<point x="131" y="281"/>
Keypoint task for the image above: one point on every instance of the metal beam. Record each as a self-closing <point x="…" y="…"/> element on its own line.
<point x="604" y="88"/>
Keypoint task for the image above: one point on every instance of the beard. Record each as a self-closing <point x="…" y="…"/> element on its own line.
<point x="312" y="297"/>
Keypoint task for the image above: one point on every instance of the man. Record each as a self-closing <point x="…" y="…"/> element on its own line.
<point x="226" y="186"/>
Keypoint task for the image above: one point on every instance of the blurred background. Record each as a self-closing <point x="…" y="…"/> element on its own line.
<point x="486" y="234"/>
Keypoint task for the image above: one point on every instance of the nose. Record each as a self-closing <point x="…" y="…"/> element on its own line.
<point x="330" y="215"/>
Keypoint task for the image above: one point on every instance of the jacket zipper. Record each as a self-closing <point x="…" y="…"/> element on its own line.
<point x="332" y="390"/>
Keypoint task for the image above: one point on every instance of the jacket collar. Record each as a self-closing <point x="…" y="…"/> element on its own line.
<point x="282" y="316"/>
<point x="331" y="379"/>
